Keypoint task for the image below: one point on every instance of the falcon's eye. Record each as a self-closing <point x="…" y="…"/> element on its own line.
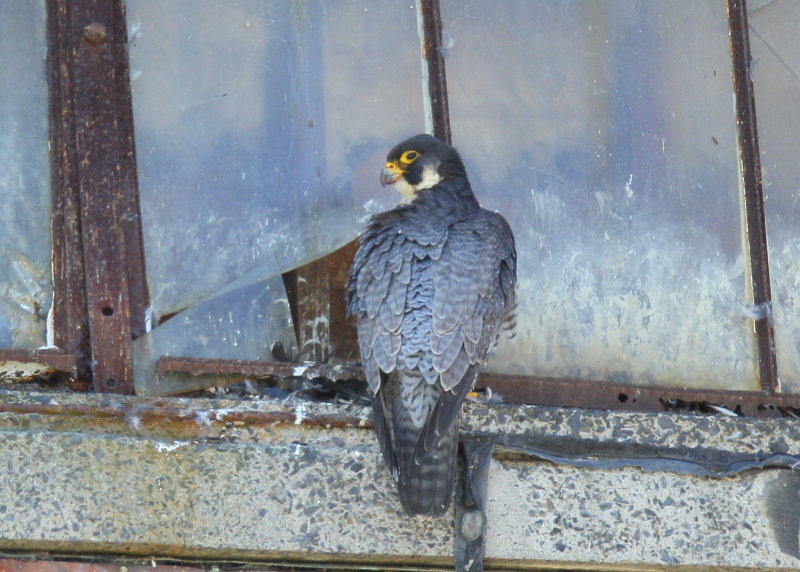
<point x="409" y="157"/>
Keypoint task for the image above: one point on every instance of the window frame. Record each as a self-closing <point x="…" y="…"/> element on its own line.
<point x="99" y="275"/>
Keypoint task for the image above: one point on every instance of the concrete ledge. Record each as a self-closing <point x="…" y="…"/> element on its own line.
<point x="630" y="518"/>
<point x="241" y="480"/>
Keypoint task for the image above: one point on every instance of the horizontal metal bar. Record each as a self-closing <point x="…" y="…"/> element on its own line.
<point x="589" y="394"/>
<point x="181" y="422"/>
<point x="52" y="359"/>
<point x="521" y="389"/>
<point x="256" y="369"/>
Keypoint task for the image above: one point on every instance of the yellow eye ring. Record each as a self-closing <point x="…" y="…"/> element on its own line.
<point x="409" y="157"/>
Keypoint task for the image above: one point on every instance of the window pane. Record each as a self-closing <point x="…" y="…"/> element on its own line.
<point x="260" y="131"/>
<point x="25" y="278"/>
<point x="774" y="30"/>
<point x="605" y="131"/>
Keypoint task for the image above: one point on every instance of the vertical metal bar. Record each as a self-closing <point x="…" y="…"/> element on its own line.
<point x="432" y="53"/>
<point x="70" y="320"/>
<point x="93" y="34"/>
<point x="312" y="325"/>
<point x="130" y="219"/>
<point x="95" y="203"/>
<point x="344" y="346"/>
<point x="753" y="192"/>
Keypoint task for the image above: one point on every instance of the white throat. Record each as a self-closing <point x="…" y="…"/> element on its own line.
<point x="408" y="192"/>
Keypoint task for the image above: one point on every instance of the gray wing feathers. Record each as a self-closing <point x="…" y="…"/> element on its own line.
<point x="473" y="273"/>
<point x="377" y="295"/>
<point x="470" y="297"/>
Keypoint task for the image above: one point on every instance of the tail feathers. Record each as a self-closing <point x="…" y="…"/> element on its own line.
<point x="426" y="483"/>
<point x="431" y="468"/>
<point x="422" y="459"/>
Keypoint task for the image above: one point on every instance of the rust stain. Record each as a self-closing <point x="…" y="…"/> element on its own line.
<point x="172" y="422"/>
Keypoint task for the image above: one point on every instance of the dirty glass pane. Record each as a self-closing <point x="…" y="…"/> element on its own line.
<point x="774" y="29"/>
<point x="260" y="127"/>
<point x="25" y="279"/>
<point x="605" y="131"/>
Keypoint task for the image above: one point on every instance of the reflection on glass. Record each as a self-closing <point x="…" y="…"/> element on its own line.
<point x="260" y="127"/>
<point x="25" y="277"/>
<point x="774" y="29"/>
<point x="605" y="131"/>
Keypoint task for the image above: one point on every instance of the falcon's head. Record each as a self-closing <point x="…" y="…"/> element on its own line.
<point x="419" y="163"/>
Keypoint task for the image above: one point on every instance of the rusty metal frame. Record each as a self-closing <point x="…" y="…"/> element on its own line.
<point x="308" y="289"/>
<point x="588" y="394"/>
<point x="177" y="422"/>
<point x="99" y="267"/>
<point x="244" y="369"/>
<point x="98" y="261"/>
<point x="753" y="192"/>
<point x="432" y="53"/>
<point x="50" y="359"/>
<point x="520" y="389"/>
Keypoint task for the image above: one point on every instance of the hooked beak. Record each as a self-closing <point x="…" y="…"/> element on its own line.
<point x="390" y="173"/>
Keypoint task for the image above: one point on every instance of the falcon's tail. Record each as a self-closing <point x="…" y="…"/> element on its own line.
<point x="426" y="483"/>
<point x="422" y="460"/>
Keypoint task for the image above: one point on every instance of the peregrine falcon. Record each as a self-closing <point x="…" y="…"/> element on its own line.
<point x="432" y="284"/>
